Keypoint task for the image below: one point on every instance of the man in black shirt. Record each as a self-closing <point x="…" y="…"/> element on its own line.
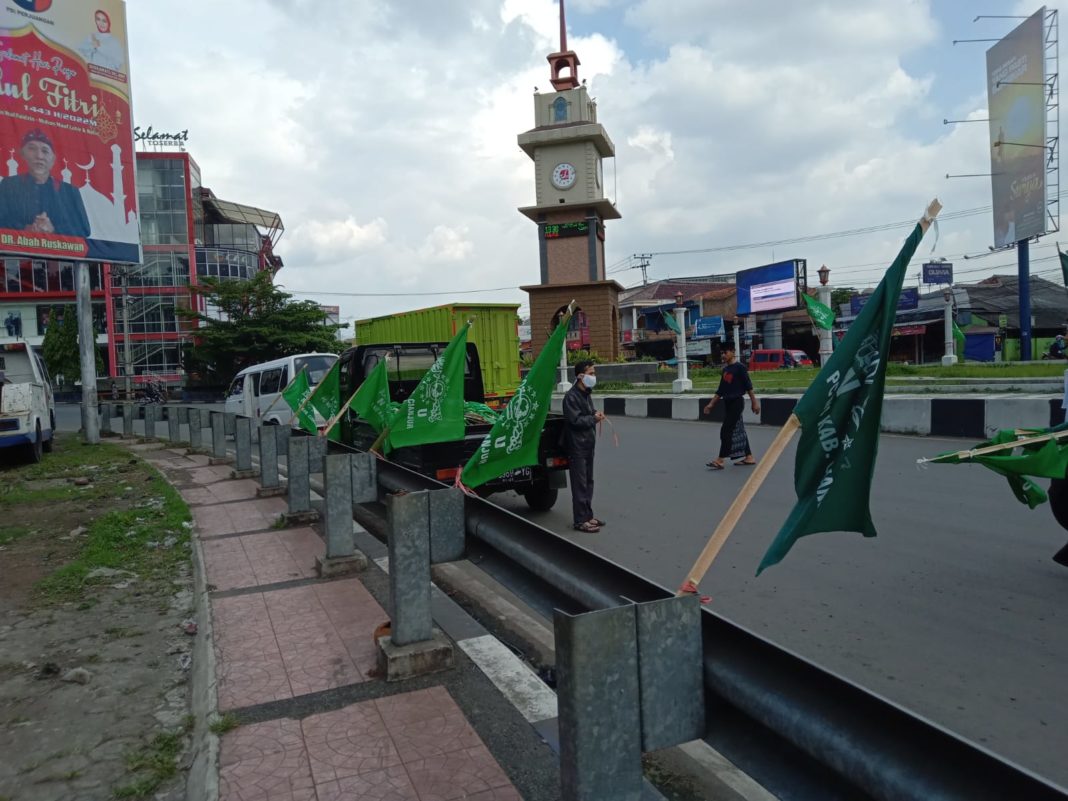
<point x="582" y="419"/>
<point x="733" y="386"/>
<point x="34" y="201"/>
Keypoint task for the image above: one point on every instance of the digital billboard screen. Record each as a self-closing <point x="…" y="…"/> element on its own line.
<point x="771" y="288"/>
<point x="1016" y="97"/>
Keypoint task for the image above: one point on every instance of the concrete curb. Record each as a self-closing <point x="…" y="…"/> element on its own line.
<point x="919" y="415"/>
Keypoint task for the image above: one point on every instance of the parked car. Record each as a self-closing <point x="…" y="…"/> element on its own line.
<point x="778" y="359"/>
<point x="27" y="406"/>
<point x="254" y="391"/>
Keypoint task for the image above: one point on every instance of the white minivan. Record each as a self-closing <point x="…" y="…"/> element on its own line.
<point x="255" y="391"/>
<point x="27" y="408"/>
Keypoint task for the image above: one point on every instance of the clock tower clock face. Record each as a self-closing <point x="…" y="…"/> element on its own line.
<point x="564" y="175"/>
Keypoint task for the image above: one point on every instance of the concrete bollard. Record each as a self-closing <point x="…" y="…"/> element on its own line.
<point x="151" y="411"/>
<point x="317" y="454"/>
<point x="447" y="525"/>
<point x="413" y="646"/>
<point x="196" y="441"/>
<point x="341" y="554"/>
<point x="174" y="427"/>
<point x="229" y="423"/>
<point x="270" y="483"/>
<point x="282" y="434"/>
<point x="298" y="493"/>
<point x="128" y="411"/>
<point x="243" y="448"/>
<point x="364" y="478"/>
<point x="183" y="415"/>
<point x="218" y="439"/>
<point x="106" y="413"/>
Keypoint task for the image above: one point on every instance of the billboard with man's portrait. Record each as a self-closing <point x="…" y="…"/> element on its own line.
<point x="1016" y="95"/>
<point x="67" y="186"/>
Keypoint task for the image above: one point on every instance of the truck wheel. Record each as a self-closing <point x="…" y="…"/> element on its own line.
<point x="35" y="450"/>
<point x="541" y="497"/>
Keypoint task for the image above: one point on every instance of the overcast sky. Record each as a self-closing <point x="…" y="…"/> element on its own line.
<point x="385" y="136"/>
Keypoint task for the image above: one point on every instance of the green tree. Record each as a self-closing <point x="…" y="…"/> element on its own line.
<point x="258" y="322"/>
<point x="841" y="295"/>
<point x="60" y="345"/>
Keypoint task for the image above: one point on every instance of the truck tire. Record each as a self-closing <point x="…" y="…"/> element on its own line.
<point x="48" y="444"/>
<point x="541" y="497"/>
<point x="35" y="449"/>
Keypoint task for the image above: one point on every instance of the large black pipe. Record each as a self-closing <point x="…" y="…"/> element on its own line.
<point x="878" y="747"/>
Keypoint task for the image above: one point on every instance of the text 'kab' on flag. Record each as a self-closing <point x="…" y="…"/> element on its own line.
<point x="435" y="410"/>
<point x="840" y="419"/>
<point x="514" y="439"/>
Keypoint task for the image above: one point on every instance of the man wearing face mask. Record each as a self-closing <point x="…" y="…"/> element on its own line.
<point x="582" y="419"/>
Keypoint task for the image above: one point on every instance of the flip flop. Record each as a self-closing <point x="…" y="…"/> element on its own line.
<point x="598" y="522"/>
<point x="743" y="463"/>
<point x="713" y="466"/>
<point x="587" y="527"/>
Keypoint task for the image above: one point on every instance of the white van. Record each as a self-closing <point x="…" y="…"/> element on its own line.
<point x="255" y="391"/>
<point x="27" y="408"/>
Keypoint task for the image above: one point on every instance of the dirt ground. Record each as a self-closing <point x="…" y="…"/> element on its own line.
<point x="95" y="583"/>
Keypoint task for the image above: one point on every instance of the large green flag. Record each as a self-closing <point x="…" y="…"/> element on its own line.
<point x="327" y="398"/>
<point x="1064" y="266"/>
<point x="372" y="402"/>
<point x="840" y="414"/>
<point x="822" y="316"/>
<point x="435" y="410"/>
<point x="1046" y="459"/>
<point x="295" y="395"/>
<point x="514" y="439"/>
<point x="959" y="341"/>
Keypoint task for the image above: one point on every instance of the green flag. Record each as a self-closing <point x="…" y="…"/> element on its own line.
<point x="372" y="398"/>
<point x="822" y="316"/>
<point x="840" y="414"/>
<point x="327" y="398"/>
<point x="1064" y="266"/>
<point x="514" y="439"/>
<point x="435" y="410"/>
<point x="1047" y="459"/>
<point x="959" y="340"/>
<point x="295" y="395"/>
<point x="671" y="322"/>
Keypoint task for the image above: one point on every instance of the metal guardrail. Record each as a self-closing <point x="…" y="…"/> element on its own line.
<point x="767" y="695"/>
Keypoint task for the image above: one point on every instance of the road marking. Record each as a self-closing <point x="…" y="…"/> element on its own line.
<point x="512" y="676"/>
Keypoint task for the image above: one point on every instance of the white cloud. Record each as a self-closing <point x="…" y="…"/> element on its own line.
<point x="385" y="137"/>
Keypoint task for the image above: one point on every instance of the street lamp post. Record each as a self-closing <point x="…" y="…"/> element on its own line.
<point x="949" y="359"/>
<point x="826" y="346"/>
<point x="683" y="382"/>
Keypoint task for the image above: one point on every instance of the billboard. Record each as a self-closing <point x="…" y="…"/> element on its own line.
<point x="938" y="272"/>
<point x="908" y="300"/>
<point x="771" y="288"/>
<point x="67" y="189"/>
<point x="1016" y="97"/>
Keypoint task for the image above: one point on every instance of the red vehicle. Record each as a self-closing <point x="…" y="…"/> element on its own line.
<point x="778" y="359"/>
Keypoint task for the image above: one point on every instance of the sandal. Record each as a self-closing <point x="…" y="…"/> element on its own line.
<point x="598" y="522"/>
<point x="714" y="465"/>
<point x="744" y="463"/>
<point x="588" y="527"/>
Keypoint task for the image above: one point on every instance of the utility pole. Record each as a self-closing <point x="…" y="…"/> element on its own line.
<point x="122" y="272"/>
<point x="643" y="265"/>
<point x="87" y="351"/>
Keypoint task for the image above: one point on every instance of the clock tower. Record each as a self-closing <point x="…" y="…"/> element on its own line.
<point x="568" y="147"/>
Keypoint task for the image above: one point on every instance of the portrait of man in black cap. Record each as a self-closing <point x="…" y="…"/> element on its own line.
<point x="34" y="201"/>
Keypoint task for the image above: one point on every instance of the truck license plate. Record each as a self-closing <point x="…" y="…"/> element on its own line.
<point x="519" y="474"/>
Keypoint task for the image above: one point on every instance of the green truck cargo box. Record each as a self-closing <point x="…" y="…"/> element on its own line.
<point x="495" y="334"/>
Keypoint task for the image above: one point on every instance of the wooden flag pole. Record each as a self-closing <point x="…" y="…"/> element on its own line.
<point x="741" y="502"/>
<point x="1056" y="436"/>
<point x="333" y="420"/>
<point x="303" y="367"/>
<point x="306" y="401"/>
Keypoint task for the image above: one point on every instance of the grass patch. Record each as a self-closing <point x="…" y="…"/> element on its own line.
<point x="155" y="763"/>
<point x="11" y="533"/>
<point x="227" y="722"/>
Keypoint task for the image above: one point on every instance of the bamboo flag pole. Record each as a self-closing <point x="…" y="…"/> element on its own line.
<point x="307" y="400"/>
<point x="741" y="502"/>
<point x="333" y="420"/>
<point x="303" y="367"/>
<point x="1056" y="436"/>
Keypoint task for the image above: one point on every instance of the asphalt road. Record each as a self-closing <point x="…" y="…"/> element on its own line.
<point x="955" y="611"/>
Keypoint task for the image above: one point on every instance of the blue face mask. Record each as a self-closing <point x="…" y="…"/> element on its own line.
<point x="589" y="381"/>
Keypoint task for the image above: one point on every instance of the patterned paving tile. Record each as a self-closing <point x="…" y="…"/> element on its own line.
<point x="399" y="710"/>
<point x="434" y="737"/>
<point x="253" y="681"/>
<point x="460" y="774"/>
<point x="508" y="793"/>
<point x="391" y="784"/>
<point x="258" y="740"/>
<point x="348" y="742"/>
<point x="283" y="776"/>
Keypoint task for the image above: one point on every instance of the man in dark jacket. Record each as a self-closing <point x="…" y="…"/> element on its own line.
<point x="582" y="419"/>
<point x="36" y="202"/>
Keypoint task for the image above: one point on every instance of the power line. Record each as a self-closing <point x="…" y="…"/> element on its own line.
<point x="402" y="294"/>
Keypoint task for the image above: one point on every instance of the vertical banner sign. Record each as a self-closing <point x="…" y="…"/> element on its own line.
<point x="1016" y="94"/>
<point x="67" y="188"/>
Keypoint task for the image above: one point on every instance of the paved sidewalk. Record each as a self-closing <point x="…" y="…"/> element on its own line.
<point x="295" y="663"/>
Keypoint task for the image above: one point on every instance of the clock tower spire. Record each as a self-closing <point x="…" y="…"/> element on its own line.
<point x="568" y="147"/>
